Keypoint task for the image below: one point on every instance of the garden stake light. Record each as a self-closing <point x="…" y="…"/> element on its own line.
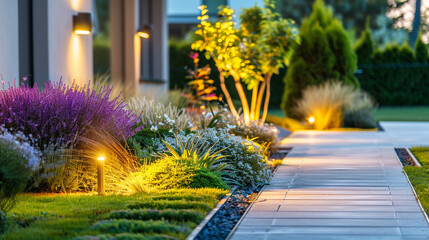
<point x="311" y="120"/>
<point x="100" y="175"/>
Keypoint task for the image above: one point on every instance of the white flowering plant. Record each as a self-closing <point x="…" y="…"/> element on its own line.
<point x="18" y="159"/>
<point x="21" y="144"/>
<point x="156" y="115"/>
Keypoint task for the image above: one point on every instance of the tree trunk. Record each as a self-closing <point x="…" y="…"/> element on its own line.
<point x="253" y="104"/>
<point x="260" y="97"/>
<point x="267" y="98"/>
<point x="227" y="95"/>
<point x="243" y="99"/>
<point x="416" y="22"/>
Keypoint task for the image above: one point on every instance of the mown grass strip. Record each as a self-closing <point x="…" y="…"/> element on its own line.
<point x="151" y="214"/>
<point x="167" y="204"/>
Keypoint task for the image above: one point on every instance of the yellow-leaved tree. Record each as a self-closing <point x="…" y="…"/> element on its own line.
<point x="251" y="53"/>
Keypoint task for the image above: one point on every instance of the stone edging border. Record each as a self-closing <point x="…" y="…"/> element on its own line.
<point x="209" y="216"/>
<point x="411" y="185"/>
<point x="412" y="157"/>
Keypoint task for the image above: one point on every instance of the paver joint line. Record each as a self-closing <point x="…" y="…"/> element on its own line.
<point x="344" y="184"/>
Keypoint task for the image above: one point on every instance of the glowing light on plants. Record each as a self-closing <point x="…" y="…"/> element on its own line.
<point x="311" y="120"/>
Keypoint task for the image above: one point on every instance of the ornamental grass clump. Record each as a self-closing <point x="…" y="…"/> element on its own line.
<point x="245" y="163"/>
<point x="156" y="115"/>
<point x="327" y="104"/>
<point x="59" y="113"/>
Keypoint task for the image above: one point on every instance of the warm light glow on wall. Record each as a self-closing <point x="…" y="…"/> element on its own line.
<point x="75" y="4"/>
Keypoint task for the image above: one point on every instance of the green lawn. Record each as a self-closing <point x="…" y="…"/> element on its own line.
<point x="140" y="216"/>
<point x="408" y="113"/>
<point x="419" y="177"/>
<point x="420" y="113"/>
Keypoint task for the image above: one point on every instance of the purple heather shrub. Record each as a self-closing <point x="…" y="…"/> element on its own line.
<point x="59" y="113"/>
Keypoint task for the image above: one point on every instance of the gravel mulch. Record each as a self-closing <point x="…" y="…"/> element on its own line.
<point x="225" y="219"/>
<point x="405" y="158"/>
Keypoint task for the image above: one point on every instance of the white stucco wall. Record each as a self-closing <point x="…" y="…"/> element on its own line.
<point x="70" y="55"/>
<point x="9" y="45"/>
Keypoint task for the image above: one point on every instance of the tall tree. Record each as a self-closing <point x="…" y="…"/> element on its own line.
<point x="352" y="13"/>
<point x="412" y="15"/>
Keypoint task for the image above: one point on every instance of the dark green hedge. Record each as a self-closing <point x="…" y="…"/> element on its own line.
<point x="395" y="75"/>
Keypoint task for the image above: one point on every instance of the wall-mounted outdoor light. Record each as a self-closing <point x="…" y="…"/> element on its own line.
<point x="100" y="175"/>
<point x="144" y="32"/>
<point x="82" y="23"/>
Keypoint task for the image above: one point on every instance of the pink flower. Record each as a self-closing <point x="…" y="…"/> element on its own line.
<point x="24" y="79"/>
<point x="193" y="55"/>
<point x="2" y="82"/>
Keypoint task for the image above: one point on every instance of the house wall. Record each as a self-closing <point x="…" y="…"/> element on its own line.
<point x="70" y="55"/>
<point x="9" y="44"/>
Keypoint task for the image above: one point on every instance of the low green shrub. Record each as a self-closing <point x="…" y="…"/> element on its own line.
<point x="150" y="214"/>
<point x="14" y="174"/>
<point x="261" y="133"/>
<point x="204" y="178"/>
<point x="165" y="173"/>
<point x="246" y="163"/>
<point x="136" y="226"/>
<point x="146" y="143"/>
<point x="4" y="222"/>
<point x="170" y="204"/>
<point x="363" y="118"/>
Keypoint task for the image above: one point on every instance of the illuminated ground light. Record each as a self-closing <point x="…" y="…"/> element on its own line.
<point x="100" y="175"/>
<point x="311" y="120"/>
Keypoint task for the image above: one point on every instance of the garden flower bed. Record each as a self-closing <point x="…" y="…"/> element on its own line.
<point x="159" y="169"/>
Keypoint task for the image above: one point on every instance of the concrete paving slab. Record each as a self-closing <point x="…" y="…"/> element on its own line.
<point x="339" y="185"/>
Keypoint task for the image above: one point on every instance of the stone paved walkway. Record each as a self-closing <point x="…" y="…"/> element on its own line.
<point x="336" y="185"/>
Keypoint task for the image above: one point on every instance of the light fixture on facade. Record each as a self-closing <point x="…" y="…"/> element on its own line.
<point x="82" y="23"/>
<point x="144" y="32"/>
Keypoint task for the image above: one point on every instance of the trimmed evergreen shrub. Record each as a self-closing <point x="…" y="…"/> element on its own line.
<point x="365" y="47"/>
<point x="395" y="75"/>
<point x="203" y="178"/>
<point x="421" y="50"/>
<point x="325" y="53"/>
